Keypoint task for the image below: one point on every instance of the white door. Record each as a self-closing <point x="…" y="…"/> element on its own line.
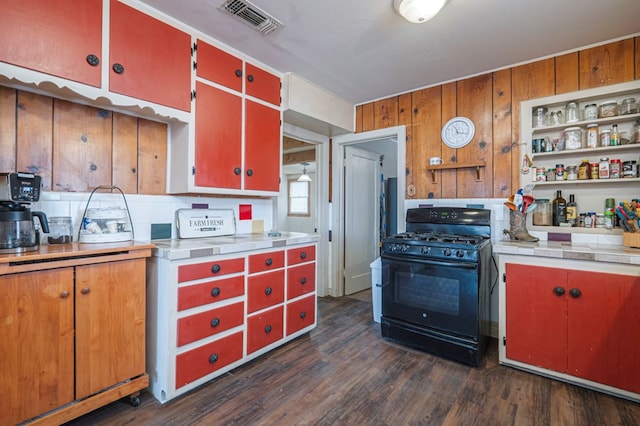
<point x="362" y="217"/>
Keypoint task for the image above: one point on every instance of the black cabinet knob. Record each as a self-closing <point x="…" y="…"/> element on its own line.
<point x="303" y="280"/>
<point x="267" y="329"/>
<point x="250" y="78"/>
<point x="303" y="255"/>
<point x="559" y="291"/>
<point x="249" y="172"/>
<point x="213" y="358"/>
<point x="268" y="262"/>
<point x="215" y="322"/>
<point x="303" y="314"/>
<point x="237" y="171"/>
<point x="118" y="68"/>
<point x="268" y="291"/>
<point x="93" y="60"/>
<point x="215" y="268"/>
<point x="215" y="292"/>
<point x="575" y="293"/>
<point x="238" y="73"/>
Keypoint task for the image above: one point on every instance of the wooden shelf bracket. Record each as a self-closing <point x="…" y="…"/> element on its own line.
<point x="477" y="166"/>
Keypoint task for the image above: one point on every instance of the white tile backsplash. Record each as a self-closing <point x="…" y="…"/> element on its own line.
<point x="148" y="209"/>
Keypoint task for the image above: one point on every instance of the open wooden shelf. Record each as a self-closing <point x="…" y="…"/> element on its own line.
<point x="477" y="166"/>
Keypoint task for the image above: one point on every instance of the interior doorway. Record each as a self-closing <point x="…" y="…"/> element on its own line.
<point x="389" y="143"/>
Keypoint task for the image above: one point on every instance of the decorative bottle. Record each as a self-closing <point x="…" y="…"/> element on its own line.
<point x="559" y="210"/>
<point x="572" y="211"/>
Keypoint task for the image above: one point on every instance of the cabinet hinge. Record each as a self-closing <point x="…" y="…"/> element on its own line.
<point x="504" y="340"/>
<point x="195" y="65"/>
<point x="193" y="95"/>
<point x="193" y="170"/>
<point x="504" y="277"/>
<point x="194" y="49"/>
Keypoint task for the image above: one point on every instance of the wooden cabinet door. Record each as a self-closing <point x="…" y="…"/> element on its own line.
<point x="604" y="328"/>
<point x="219" y="66"/>
<point x="54" y="37"/>
<point x="264" y="329"/>
<point x="149" y="59"/>
<point x="262" y="147"/>
<point x="536" y="316"/>
<point x="262" y="84"/>
<point x="110" y="324"/>
<point x="36" y="343"/>
<point x="218" y="141"/>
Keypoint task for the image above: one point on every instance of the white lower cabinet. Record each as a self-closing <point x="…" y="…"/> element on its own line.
<point x="208" y="315"/>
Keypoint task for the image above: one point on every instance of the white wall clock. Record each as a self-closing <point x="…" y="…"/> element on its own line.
<point x="458" y="132"/>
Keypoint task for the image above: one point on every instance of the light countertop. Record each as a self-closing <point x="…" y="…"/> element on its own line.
<point x="566" y="250"/>
<point x="175" y="249"/>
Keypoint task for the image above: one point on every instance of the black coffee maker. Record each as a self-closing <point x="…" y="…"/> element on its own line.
<point x="17" y="230"/>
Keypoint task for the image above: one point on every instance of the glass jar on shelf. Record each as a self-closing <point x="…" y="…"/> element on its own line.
<point x="540" y="117"/>
<point x="571" y="113"/>
<point x="628" y="106"/>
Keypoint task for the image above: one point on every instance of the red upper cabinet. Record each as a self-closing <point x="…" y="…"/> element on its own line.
<point x="262" y="84"/>
<point x="57" y="37"/>
<point x="149" y="59"/>
<point x="218" y="133"/>
<point x="219" y="66"/>
<point x="262" y="147"/>
<point x="238" y="128"/>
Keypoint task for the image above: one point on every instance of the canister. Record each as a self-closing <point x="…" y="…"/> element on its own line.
<point x="540" y="117"/>
<point x="572" y="172"/>
<point x="542" y="213"/>
<point x="595" y="170"/>
<point x="560" y="172"/>
<point x="608" y="109"/>
<point x="60" y="231"/>
<point x="628" y="106"/>
<point x="592" y="136"/>
<point x="572" y="138"/>
<point x="600" y="222"/>
<point x="541" y="174"/>
<point x="590" y="112"/>
<point x="571" y="112"/>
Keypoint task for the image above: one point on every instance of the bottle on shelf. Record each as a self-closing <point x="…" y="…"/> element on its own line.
<point x="615" y="136"/>
<point x="572" y="211"/>
<point x="559" y="209"/>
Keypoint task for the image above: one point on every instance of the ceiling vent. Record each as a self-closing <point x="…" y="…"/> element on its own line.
<point x="251" y="15"/>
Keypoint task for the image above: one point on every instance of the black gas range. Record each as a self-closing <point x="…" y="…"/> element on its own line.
<point x="436" y="282"/>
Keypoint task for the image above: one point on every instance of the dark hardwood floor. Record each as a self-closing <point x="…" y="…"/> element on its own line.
<point x="344" y="373"/>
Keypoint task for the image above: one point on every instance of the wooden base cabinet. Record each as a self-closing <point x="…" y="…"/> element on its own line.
<point x="210" y="315"/>
<point x="71" y="337"/>
<point x="580" y="325"/>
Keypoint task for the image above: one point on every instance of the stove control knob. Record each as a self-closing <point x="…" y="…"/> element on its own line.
<point x="425" y="250"/>
<point x="447" y="252"/>
<point x="404" y="248"/>
<point x="460" y="253"/>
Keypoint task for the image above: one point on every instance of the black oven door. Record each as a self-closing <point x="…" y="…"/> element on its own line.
<point x="432" y="294"/>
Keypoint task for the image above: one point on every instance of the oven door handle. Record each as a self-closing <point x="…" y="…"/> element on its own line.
<point x="465" y="265"/>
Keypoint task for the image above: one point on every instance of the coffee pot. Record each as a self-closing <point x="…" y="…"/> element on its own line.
<point x="18" y="232"/>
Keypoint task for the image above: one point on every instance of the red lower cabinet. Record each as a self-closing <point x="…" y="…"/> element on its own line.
<point x="264" y="329"/>
<point x="208" y="358"/>
<point x="301" y="280"/>
<point x="581" y="323"/>
<point x="204" y="324"/>
<point x="301" y="314"/>
<point x="212" y="291"/>
<point x="265" y="290"/>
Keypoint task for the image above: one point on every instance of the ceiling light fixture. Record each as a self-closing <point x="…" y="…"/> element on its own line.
<point x="304" y="177"/>
<point x="418" y="11"/>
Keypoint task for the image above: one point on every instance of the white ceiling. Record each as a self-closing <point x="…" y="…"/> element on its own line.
<point x="362" y="50"/>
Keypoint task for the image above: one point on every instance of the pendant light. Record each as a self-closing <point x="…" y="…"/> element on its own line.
<point x="304" y="177"/>
<point x="418" y="11"/>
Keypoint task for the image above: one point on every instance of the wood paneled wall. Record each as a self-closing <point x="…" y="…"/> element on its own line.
<point x="76" y="148"/>
<point x="492" y="101"/>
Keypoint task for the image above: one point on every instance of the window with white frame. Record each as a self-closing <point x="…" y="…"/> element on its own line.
<point x="299" y="203"/>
